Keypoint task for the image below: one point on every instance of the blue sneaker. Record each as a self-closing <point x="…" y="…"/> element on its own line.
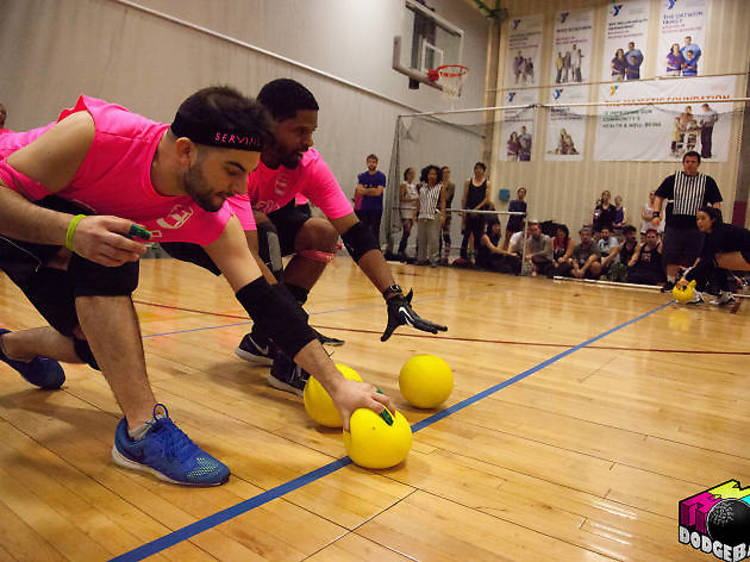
<point x="167" y="453"/>
<point x="41" y="371"/>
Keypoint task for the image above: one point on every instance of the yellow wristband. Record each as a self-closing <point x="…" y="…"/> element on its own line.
<point x="71" y="231"/>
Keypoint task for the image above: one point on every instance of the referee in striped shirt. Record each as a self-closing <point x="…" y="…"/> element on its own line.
<point x="686" y="192"/>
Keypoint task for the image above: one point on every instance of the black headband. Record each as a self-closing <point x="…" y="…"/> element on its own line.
<point x="201" y="133"/>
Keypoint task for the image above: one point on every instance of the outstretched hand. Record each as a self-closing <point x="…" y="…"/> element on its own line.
<point x="400" y="312"/>
<point x="351" y="395"/>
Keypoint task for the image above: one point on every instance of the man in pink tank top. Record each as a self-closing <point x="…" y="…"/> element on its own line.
<point x="70" y="199"/>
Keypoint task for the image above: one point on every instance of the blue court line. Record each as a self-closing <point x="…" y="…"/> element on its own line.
<point x="197" y="329"/>
<point x="236" y="510"/>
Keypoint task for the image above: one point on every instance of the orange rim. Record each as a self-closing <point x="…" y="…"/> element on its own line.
<point x="452" y="70"/>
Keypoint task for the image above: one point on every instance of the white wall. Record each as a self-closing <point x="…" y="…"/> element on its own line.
<point x="53" y="50"/>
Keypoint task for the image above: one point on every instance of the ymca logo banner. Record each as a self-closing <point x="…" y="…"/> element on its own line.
<point x="518" y="126"/>
<point x="682" y="37"/>
<point x="625" y="38"/>
<point x="571" y="47"/>
<point x="701" y="121"/>
<point x="524" y="51"/>
<point x="566" y="126"/>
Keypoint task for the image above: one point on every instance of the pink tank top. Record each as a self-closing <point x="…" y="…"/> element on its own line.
<point x="269" y="190"/>
<point x="115" y="177"/>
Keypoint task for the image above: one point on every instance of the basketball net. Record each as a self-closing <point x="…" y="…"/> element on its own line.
<point x="451" y="78"/>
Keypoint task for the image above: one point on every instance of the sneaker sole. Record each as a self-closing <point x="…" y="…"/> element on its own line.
<point x="252" y="358"/>
<point x="333" y="342"/>
<point x="281" y="385"/>
<point x="120" y="460"/>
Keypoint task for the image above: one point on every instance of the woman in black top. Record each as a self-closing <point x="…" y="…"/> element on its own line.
<point x="605" y="213"/>
<point x="476" y="197"/>
<point x="725" y="247"/>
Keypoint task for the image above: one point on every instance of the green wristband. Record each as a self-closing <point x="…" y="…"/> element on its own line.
<point x="71" y="231"/>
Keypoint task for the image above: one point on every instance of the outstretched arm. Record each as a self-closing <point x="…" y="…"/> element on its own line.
<point x="364" y="250"/>
<point x="286" y="323"/>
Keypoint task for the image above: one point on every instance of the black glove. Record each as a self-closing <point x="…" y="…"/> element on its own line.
<point x="400" y="312"/>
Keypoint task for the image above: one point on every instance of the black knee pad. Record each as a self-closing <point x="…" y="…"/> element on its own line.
<point x="94" y="280"/>
<point x="84" y="353"/>
<point x="269" y="247"/>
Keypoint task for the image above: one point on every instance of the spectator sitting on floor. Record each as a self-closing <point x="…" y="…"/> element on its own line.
<point x="607" y="242"/>
<point x="616" y="263"/>
<point x="539" y="250"/>
<point x="585" y="260"/>
<point x="491" y="254"/>
<point x="562" y="248"/>
<point x="645" y="266"/>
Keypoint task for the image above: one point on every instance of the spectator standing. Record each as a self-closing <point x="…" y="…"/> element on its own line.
<point x="449" y="188"/>
<point x="408" y="197"/>
<point x="688" y="190"/>
<point x="370" y="187"/>
<point x="621" y="214"/>
<point x="430" y="215"/>
<point x="647" y="214"/>
<point x="516" y="222"/>
<point x="476" y="197"/>
<point x="604" y="213"/>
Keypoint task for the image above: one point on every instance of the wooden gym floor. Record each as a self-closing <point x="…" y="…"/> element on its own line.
<point x="584" y="456"/>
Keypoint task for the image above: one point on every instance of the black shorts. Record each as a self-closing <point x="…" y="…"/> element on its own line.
<point x="681" y="246"/>
<point x="288" y="220"/>
<point x="745" y="254"/>
<point x="49" y="290"/>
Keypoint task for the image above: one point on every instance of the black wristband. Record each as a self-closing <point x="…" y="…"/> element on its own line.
<point x="277" y="314"/>
<point x="392" y="290"/>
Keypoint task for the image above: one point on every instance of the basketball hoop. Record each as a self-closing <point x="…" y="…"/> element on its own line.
<point x="451" y="78"/>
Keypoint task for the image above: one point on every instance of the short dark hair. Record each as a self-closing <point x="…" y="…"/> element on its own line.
<point x="628" y="228"/>
<point x="481" y="165"/>
<point x="284" y="97"/>
<point x="406" y="172"/>
<point x="225" y="109"/>
<point x="374" y="157"/>
<point x="426" y="170"/>
<point x="692" y="153"/>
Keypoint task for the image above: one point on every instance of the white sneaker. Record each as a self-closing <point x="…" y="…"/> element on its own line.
<point x="725" y="297"/>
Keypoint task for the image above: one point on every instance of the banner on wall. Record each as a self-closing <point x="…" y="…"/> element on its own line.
<point x="625" y="38"/>
<point x="517" y="131"/>
<point x="571" y="47"/>
<point x="661" y="133"/>
<point x="682" y="37"/>
<point x="524" y="51"/>
<point x="566" y="126"/>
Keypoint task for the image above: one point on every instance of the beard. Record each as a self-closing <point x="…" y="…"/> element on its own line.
<point x="197" y="188"/>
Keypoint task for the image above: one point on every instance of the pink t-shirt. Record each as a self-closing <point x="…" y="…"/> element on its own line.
<point x="4" y="131"/>
<point x="115" y="178"/>
<point x="270" y="190"/>
<point x="12" y="141"/>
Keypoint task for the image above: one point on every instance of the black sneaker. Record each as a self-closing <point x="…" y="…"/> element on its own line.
<point x="327" y="340"/>
<point x="286" y="375"/>
<point x="667" y="288"/>
<point x="251" y="351"/>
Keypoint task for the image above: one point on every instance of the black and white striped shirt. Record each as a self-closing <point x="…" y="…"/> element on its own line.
<point x="687" y="194"/>
<point x="429" y="201"/>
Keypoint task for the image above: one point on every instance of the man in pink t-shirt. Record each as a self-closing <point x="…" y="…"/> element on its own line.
<point x="288" y="167"/>
<point x="69" y="199"/>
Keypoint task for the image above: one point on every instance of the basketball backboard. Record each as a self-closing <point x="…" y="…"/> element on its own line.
<point x="427" y="41"/>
